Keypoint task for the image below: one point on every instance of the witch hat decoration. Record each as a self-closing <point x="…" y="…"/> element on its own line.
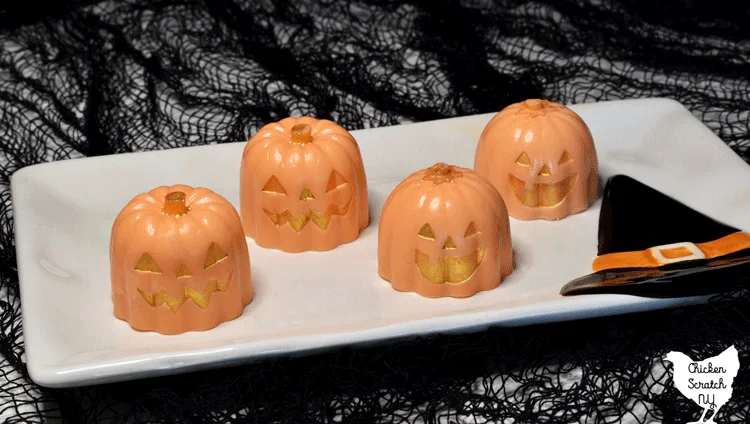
<point x="664" y="250"/>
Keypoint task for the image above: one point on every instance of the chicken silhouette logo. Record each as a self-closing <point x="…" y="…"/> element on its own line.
<point x="707" y="383"/>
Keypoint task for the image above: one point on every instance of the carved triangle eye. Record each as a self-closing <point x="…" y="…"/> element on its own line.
<point x="184" y="271"/>
<point x="274" y="186"/>
<point x="523" y="160"/>
<point x="449" y="244"/>
<point x="335" y="181"/>
<point x="426" y="232"/>
<point x="471" y="230"/>
<point x="215" y="255"/>
<point x="147" y="264"/>
<point x="565" y="158"/>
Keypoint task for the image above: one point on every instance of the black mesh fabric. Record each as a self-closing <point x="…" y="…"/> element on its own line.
<point x="84" y="78"/>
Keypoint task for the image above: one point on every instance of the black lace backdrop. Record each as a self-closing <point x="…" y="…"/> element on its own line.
<point x="80" y="78"/>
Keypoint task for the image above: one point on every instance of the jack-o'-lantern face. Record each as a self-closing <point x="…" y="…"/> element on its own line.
<point x="195" y="282"/>
<point x="303" y="186"/>
<point x="541" y="158"/>
<point x="179" y="261"/>
<point x="444" y="231"/>
<point x="447" y="265"/>
<point x="333" y="199"/>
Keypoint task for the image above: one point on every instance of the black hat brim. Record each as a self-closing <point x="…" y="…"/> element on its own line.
<point x="688" y="278"/>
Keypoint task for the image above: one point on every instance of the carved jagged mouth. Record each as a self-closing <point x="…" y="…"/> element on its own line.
<point x="450" y="270"/>
<point x="542" y="194"/>
<point x="201" y="299"/>
<point x="321" y="219"/>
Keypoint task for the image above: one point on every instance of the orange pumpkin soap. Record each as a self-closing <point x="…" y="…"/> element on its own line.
<point x="541" y="157"/>
<point x="444" y="231"/>
<point x="179" y="261"/>
<point x="303" y="186"/>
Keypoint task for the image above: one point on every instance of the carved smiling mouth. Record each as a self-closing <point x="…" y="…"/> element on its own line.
<point x="201" y="299"/>
<point x="450" y="270"/>
<point x="542" y="194"/>
<point x="321" y="219"/>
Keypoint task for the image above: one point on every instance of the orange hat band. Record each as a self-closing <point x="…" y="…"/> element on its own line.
<point x="670" y="253"/>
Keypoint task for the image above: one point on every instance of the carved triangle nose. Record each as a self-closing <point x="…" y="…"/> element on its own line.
<point x="306" y="194"/>
<point x="449" y="244"/>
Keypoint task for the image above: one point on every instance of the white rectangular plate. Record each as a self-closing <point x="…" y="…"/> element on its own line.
<point x="64" y="212"/>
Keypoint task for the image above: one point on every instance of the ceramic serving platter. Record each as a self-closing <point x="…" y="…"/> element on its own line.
<point x="309" y="301"/>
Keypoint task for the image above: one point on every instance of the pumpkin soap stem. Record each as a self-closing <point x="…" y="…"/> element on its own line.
<point x="174" y="204"/>
<point x="440" y="173"/>
<point x="301" y="134"/>
<point x="534" y="104"/>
